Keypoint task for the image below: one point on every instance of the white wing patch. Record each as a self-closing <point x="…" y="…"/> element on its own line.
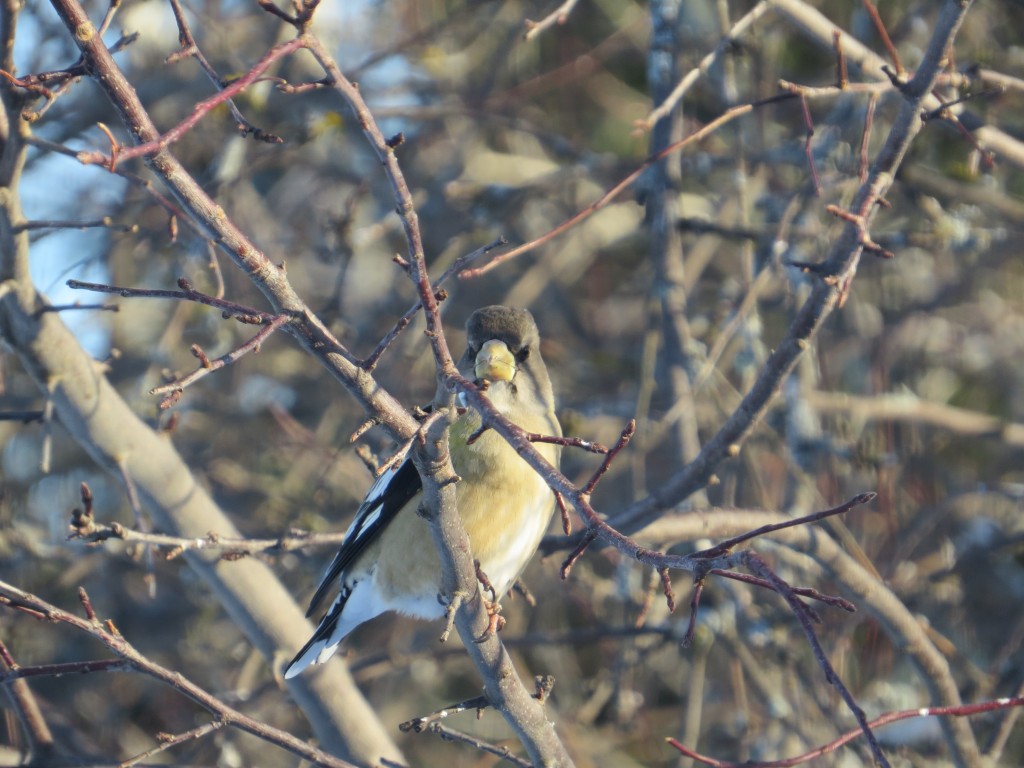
<point x="369" y="510"/>
<point x="389" y="493"/>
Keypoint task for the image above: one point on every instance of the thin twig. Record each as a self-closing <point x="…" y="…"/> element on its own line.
<point x="419" y="724"/>
<point x="729" y="544"/>
<point x="168" y="740"/>
<point x="105" y="223"/>
<point x="447" y="734"/>
<point x="208" y="366"/>
<point x="229" y="309"/>
<point x="189" y="48"/>
<point x="800" y="610"/>
<point x="624" y="437"/>
<point x="894" y="55"/>
<point x="865" y="139"/>
<point x="119" y="153"/>
<point x="556" y="18"/>
<point x="370" y="362"/>
<point x="740" y="28"/>
<point x="809" y="135"/>
<point x="231" y="548"/>
<point x="964" y="710"/>
<point x="605" y="199"/>
<point x="842" y="78"/>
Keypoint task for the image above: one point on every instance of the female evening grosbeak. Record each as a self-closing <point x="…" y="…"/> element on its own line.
<point x="388" y="561"/>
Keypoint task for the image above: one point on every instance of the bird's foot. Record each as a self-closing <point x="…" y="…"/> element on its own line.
<point x="495" y="621"/>
<point x="485" y="582"/>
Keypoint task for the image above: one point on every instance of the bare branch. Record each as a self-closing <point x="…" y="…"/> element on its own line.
<point x="19" y="601"/>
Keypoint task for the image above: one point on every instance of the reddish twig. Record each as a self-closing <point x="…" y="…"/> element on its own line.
<point x="6" y="657"/>
<point x="623" y="441"/>
<point x="804" y="616"/>
<point x="944" y="112"/>
<point x="866" y="242"/>
<point x="190" y="49"/>
<point x="588" y="538"/>
<point x="32" y="84"/>
<point x="729" y="544"/>
<point x="894" y="56"/>
<point x="83" y="598"/>
<point x="966" y="710"/>
<point x="203" y="108"/>
<point x="563" y="511"/>
<point x="812" y="594"/>
<point x="666" y="585"/>
<point x="726" y="117"/>
<point x="691" y="625"/>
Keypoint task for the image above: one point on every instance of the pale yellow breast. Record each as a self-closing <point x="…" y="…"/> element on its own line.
<point x="505" y="507"/>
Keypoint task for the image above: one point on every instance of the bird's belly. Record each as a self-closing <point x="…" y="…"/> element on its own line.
<point x="506" y="522"/>
<point x="505" y="507"/>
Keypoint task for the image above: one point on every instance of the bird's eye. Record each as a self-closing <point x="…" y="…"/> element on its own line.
<point x="522" y="355"/>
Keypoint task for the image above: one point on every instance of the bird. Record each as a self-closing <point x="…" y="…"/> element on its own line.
<point x="387" y="560"/>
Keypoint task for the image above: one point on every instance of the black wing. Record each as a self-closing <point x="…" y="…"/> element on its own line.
<point x="391" y="491"/>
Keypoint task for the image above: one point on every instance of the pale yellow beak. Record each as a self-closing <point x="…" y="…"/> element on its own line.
<point x="494" y="362"/>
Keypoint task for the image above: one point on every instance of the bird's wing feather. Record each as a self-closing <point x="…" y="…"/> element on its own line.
<point x="391" y="491"/>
